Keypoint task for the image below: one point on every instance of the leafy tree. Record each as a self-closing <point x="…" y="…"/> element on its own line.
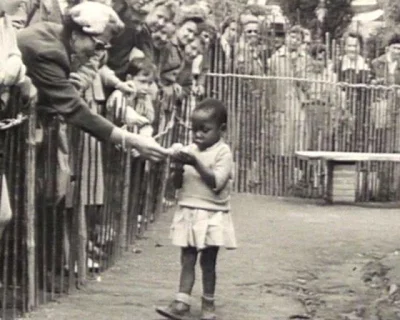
<point x="338" y="15"/>
<point x="225" y="8"/>
<point x="377" y="41"/>
<point x="392" y="10"/>
<point x="300" y="11"/>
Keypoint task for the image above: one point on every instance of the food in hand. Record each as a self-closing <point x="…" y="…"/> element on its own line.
<point x="175" y="148"/>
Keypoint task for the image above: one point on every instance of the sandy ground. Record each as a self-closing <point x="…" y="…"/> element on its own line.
<point x="296" y="260"/>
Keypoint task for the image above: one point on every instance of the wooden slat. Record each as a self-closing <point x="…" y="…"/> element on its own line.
<point x="347" y="156"/>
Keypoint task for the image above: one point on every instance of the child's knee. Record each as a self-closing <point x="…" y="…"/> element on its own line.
<point x="189" y="257"/>
<point x="208" y="259"/>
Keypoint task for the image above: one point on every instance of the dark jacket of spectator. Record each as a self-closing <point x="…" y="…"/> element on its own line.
<point x="46" y="53"/>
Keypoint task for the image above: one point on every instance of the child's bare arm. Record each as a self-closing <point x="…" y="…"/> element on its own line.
<point x="215" y="177"/>
<point x="206" y="173"/>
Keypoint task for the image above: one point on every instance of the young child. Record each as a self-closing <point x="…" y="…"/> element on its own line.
<point x="203" y="222"/>
<point x="136" y="109"/>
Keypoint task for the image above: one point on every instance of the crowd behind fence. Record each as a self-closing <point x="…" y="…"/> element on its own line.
<point x="73" y="220"/>
<point x="315" y="97"/>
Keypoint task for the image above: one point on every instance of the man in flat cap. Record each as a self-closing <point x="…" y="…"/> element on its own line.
<point x="47" y="51"/>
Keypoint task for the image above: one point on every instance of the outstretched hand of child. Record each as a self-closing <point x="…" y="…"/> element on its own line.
<point x="186" y="157"/>
<point x="180" y="154"/>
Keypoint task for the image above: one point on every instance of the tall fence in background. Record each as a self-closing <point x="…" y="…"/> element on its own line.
<point x="78" y="204"/>
<point x="279" y="104"/>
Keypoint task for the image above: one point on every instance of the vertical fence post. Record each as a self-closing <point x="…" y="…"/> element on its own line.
<point x="30" y="207"/>
<point x="123" y="239"/>
<point x="79" y="212"/>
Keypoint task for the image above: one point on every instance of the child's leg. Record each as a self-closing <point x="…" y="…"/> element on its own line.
<point x="180" y="307"/>
<point x="188" y="264"/>
<point x="208" y="262"/>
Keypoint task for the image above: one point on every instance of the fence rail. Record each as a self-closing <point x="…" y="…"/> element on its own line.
<point x="267" y="125"/>
<point x="78" y="204"/>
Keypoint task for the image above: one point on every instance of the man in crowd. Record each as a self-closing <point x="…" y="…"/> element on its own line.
<point x="47" y="49"/>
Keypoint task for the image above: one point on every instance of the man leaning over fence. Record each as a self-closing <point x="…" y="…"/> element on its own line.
<point x="12" y="73"/>
<point x="47" y="49"/>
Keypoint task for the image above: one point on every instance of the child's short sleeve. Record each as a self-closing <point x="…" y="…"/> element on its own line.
<point x="223" y="168"/>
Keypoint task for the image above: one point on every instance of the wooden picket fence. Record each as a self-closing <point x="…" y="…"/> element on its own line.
<point x="279" y="107"/>
<point x="74" y="219"/>
<point x="77" y="204"/>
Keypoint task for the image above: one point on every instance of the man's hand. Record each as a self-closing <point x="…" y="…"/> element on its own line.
<point x="147" y="147"/>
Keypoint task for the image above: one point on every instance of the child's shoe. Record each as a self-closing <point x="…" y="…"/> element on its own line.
<point x="208" y="309"/>
<point x="179" y="308"/>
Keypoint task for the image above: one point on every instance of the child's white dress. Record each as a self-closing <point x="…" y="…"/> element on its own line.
<point x="203" y="217"/>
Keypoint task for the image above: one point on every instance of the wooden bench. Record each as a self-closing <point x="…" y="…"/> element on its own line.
<point x="342" y="172"/>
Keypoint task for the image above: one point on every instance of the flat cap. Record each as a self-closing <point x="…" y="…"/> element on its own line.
<point x="96" y="18"/>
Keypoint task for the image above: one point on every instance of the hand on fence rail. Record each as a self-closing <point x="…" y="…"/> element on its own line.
<point x="12" y="122"/>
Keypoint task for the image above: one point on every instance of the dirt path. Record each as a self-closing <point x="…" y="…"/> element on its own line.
<point x="295" y="259"/>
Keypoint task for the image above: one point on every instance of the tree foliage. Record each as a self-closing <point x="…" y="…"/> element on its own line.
<point x="392" y="8"/>
<point x="338" y="15"/>
<point x="225" y="8"/>
<point x="378" y="41"/>
<point x="300" y="11"/>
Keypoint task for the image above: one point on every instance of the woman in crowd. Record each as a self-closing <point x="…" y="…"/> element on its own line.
<point x="137" y="32"/>
<point x="176" y="71"/>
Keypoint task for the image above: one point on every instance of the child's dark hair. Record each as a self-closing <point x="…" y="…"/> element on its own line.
<point x="143" y="65"/>
<point x="215" y="106"/>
